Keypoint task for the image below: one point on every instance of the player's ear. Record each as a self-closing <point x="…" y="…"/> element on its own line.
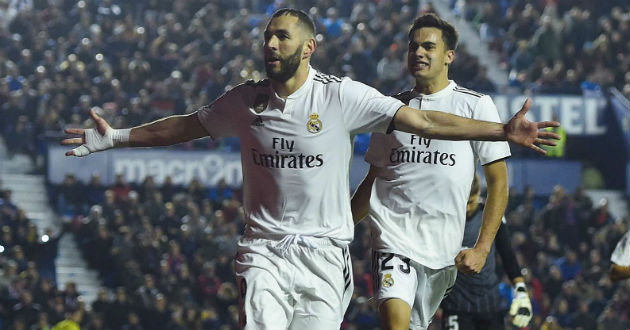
<point x="309" y="48"/>
<point x="450" y="56"/>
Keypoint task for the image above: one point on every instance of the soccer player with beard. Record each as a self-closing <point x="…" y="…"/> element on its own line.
<point x="296" y="130"/>
<point x="415" y="192"/>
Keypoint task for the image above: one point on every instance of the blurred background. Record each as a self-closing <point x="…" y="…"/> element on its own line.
<point x="145" y="239"/>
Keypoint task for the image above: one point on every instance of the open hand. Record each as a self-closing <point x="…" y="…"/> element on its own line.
<point x="528" y="134"/>
<point x="91" y="139"/>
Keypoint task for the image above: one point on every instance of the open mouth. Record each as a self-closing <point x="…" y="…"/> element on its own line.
<point x="272" y="60"/>
<point x="420" y="66"/>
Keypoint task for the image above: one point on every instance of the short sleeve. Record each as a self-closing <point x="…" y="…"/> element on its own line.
<point x="377" y="153"/>
<point x="488" y="151"/>
<point x="621" y="254"/>
<point x="220" y="117"/>
<point x="365" y="109"/>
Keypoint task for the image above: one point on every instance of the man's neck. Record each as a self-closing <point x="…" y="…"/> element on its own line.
<point x="430" y="87"/>
<point x="284" y="89"/>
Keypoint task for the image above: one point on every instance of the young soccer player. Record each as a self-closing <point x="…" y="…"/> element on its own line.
<point x="296" y="130"/>
<point x="415" y="192"/>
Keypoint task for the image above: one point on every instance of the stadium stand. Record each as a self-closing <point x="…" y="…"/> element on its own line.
<point x="184" y="257"/>
<point x="164" y="252"/>
<point x="556" y="47"/>
<point x="141" y="61"/>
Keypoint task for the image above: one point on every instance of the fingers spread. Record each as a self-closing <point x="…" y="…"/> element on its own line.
<point x="545" y="142"/>
<point x="544" y="124"/>
<point x="78" y="131"/>
<point x="94" y="116"/>
<point x="548" y="135"/>
<point x="538" y="149"/>
<point x="72" y="141"/>
<point x="525" y="107"/>
<point x="81" y="151"/>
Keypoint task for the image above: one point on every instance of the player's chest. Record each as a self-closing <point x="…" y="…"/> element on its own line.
<point x="400" y="139"/>
<point x="293" y="127"/>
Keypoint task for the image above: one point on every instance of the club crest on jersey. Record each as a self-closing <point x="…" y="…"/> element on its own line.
<point x="314" y="124"/>
<point x="260" y="103"/>
<point x="388" y="280"/>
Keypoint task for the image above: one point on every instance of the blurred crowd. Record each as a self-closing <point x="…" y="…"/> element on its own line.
<point x="165" y="253"/>
<point x="563" y="242"/>
<point x="556" y="46"/>
<point x="141" y="60"/>
<point x="27" y="271"/>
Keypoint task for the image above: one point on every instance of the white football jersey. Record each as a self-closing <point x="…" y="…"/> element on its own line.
<point x="418" y="201"/>
<point x="296" y="153"/>
<point x="621" y="254"/>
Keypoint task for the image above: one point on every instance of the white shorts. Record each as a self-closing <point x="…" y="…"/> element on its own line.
<point x="296" y="283"/>
<point x="423" y="288"/>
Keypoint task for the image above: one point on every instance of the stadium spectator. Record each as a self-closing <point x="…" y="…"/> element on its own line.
<point x="70" y="196"/>
<point x="124" y="43"/>
<point x="586" y="297"/>
<point x="149" y="60"/>
<point x="532" y="38"/>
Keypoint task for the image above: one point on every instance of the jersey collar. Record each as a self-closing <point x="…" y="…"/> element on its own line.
<point x="306" y="85"/>
<point x="446" y="91"/>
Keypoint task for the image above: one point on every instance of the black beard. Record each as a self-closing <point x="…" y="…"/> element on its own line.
<point x="288" y="67"/>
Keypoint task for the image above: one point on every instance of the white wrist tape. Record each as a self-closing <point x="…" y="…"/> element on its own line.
<point x="95" y="142"/>
<point x="121" y="136"/>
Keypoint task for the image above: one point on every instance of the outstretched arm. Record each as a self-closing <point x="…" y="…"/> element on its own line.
<point x="162" y="132"/>
<point x="439" y="125"/>
<point x="360" y="202"/>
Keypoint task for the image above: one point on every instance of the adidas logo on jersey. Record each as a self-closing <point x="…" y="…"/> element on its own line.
<point x="257" y="121"/>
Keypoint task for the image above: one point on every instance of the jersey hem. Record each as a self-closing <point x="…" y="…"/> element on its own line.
<point x="416" y="260"/>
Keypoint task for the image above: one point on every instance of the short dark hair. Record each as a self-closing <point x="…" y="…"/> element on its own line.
<point x="449" y="33"/>
<point x="303" y="18"/>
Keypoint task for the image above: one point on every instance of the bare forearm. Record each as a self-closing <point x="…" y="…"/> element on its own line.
<point x="167" y="131"/>
<point x="496" y="178"/>
<point x="490" y="225"/>
<point x="444" y="126"/>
